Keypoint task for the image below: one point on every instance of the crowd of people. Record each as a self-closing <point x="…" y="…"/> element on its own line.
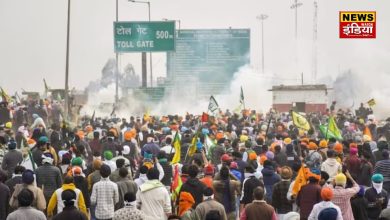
<point x="246" y="166"/>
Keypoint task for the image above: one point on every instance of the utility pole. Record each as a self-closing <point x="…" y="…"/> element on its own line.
<point x="315" y="30"/>
<point x="66" y="108"/>
<point x="116" y="65"/>
<point x="262" y="17"/>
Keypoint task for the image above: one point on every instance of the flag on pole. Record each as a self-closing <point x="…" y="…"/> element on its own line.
<point x="371" y="102"/>
<point x="242" y="101"/>
<point x="331" y="130"/>
<point x="176" y="183"/>
<point x="213" y="105"/>
<point x="193" y="146"/>
<point x="209" y="145"/>
<point x="5" y="96"/>
<point x="46" y="86"/>
<point x="367" y="132"/>
<point x="177" y="146"/>
<point x="300" y="121"/>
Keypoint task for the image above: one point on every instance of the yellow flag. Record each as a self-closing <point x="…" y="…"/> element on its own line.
<point x="371" y="102"/>
<point x="177" y="146"/>
<point x="300" y="121"/>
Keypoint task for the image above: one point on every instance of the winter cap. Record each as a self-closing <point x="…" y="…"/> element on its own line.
<point x="77" y="161"/>
<point x="327" y="193"/>
<point x="28" y="177"/>
<point x="377" y="178"/>
<point x="340" y="179"/>
<point x="286" y="172"/>
<point x="12" y="145"/>
<point x="108" y="155"/>
<point x="328" y="214"/>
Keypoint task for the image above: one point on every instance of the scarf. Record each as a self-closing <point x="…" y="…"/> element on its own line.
<point x="377" y="187"/>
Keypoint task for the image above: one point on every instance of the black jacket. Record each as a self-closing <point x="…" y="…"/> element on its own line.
<point x="359" y="208"/>
<point x="195" y="188"/>
<point x="375" y="205"/>
<point x="248" y="186"/>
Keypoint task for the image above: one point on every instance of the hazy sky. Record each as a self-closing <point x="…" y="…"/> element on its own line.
<point x="33" y="37"/>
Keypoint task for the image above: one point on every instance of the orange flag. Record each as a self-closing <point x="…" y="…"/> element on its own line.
<point x="367" y="132"/>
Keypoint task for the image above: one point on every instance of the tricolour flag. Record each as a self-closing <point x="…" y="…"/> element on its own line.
<point x="213" y="105"/>
<point x="331" y="130"/>
<point x="300" y="121"/>
<point x="177" y="146"/>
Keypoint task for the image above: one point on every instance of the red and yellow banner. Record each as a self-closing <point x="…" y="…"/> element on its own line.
<point x="357" y="24"/>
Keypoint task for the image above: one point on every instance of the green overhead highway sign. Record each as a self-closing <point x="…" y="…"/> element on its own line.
<point x="144" y="36"/>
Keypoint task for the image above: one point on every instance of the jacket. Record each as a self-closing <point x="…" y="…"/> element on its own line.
<point x="248" y="186"/>
<point x="125" y="185"/>
<point x="359" y="207"/>
<point x="10" y="161"/>
<point x="4" y="199"/>
<point x="258" y="210"/>
<point x="220" y="193"/>
<point x="26" y="213"/>
<point x="39" y="199"/>
<point x="153" y="200"/>
<point x="269" y="178"/>
<point x="195" y="188"/>
<point x="366" y="170"/>
<point x="308" y="196"/>
<point x="279" y="197"/>
<point x="56" y="200"/>
<point x="49" y="179"/>
<point x="332" y="167"/>
<point x="208" y="205"/>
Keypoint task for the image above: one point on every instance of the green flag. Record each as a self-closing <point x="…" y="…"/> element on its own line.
<point x="331" y="130"/>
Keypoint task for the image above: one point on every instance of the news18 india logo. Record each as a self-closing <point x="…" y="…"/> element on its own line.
<point x="357" y="24"/>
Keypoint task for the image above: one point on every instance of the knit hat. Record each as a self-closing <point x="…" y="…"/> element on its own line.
<point x="340" y="179"/>
<point x="312" y="146"/>
<point x="286" y="172"/>
<point x="328" y="214"/>
<point x="12" y="145"/>
<point x="323" y="144"/>
<point x="108" y="155"/>
<point x="28" y="177"/>
<point x="377" y="178"/>
<point x="353" y="151"/>
<point x="208" y="170"/>
<point x="270" y="155"/>
<point x="226" y="158"/>
<point x="326" y="193"/>
<point x="338" y="147"/>
<point x="77" y="161"/>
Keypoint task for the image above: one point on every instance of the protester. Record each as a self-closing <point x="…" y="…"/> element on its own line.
<point x="325" y="209"/>
<point x="129" y="211"/>
<point x="125" y="185"/>
<point x="70" y="211"/>
<point x="342" y="195"/>
<point x="16" y="178"/>
<point x="279" y="195"/>
<point x="258" y="207"/>
<point x="377" y="197"/>
<point x="26" y="211"/>
<point x="104" y="195"/>
<point x="193" y="185"/>
<point x="11" y="159"/>
<point x="4" y="196"/>
<point x="49" y="177"/>
<point x="153" y="198"/>
<point x="209" y="205"/>
<point x="308" y="196"/>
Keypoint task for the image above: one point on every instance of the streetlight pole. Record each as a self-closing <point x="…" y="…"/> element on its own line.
<point x="116" y="65"/>
<point x="262" y="17"/>
<point x="66" y="109"/>
<point x="150" y="53"/>
<point x="295" y="6"/>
